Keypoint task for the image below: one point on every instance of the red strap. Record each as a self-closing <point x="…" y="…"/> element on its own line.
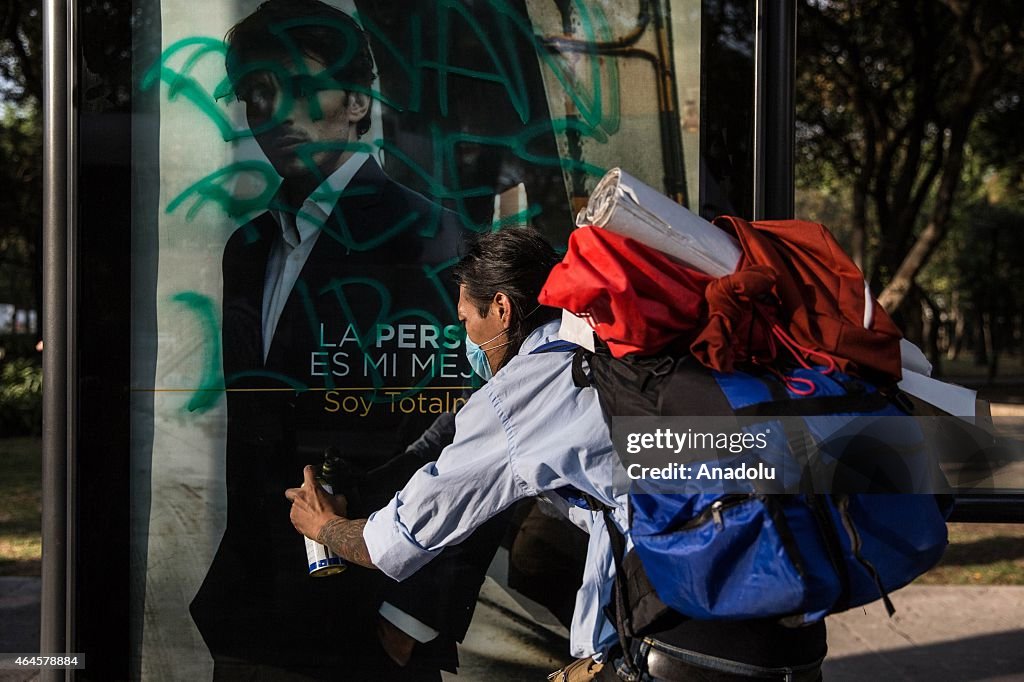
<point x="800" y="352"/>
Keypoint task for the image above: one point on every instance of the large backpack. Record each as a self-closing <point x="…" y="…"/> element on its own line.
<point x="746" y="555"/>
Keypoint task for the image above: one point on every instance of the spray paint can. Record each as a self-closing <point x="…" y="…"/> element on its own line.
<point x="319" y="558"/>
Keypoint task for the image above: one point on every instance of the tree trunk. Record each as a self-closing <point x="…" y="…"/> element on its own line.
<point x="895" y="294"/>
<point x="859" y="243"/>
<point x="961" y="118"/>
<point x="959" y="327"/>
<point x="991" y="345"/>
<point x="932" y="325"/>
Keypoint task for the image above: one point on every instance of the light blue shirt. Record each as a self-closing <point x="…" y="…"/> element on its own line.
<point x="527" y="432"/>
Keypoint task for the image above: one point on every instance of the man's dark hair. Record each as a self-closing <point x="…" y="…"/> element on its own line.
<point x="515" y="262"/>
<point x="283" y="29"/>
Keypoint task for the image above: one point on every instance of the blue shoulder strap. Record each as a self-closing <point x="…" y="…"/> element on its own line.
<point x="556" y="346"/>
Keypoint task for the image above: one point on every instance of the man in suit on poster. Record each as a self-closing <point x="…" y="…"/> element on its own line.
<point x="337" y="330"/>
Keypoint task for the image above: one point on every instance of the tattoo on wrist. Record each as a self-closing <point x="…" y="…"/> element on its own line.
<point x="345" y="537"/>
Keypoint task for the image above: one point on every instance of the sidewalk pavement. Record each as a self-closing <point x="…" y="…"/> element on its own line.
<point x="938" y="633"/>
<point x="19" y="622"/>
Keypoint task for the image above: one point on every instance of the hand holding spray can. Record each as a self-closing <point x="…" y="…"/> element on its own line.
<point x="320" y="559"/>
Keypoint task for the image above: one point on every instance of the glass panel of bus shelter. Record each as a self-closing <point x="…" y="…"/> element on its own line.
<point x="963" y="309"/>
<point x="300" y="194"/>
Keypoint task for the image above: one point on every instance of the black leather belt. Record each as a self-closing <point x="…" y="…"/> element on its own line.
<point x="666" y="662"/>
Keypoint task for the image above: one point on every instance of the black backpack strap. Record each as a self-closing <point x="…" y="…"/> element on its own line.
<point x="692" y="391"/>
<point x="833" y="547"/>
<point x="580" y="376"/>
<point x="843" y="505"/>
<point x="621" y="617"/>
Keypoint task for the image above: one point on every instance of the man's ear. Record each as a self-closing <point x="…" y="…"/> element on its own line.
<point x="357" y="106"/>
<point x="504" y="309"/>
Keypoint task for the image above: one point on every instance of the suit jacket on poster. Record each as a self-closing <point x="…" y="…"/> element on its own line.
<point x="374" y="267"/>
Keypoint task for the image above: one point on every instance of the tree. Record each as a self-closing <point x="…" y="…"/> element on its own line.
<point x="889" y="95"/>
<point x="21" y="92"/>
<point x="21" y="57"/>
<point x="20" y="209"/>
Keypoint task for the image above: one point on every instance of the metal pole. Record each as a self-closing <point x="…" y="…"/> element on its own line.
<point x="1006" y="507"/>
<point x="774" y="109"/>
<point x="56" y="296"/>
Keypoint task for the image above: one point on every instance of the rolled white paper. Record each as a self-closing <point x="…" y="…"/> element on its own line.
<point x="622" y="204"/>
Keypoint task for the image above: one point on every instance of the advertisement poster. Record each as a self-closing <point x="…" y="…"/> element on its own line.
<point x="319" y="169"/>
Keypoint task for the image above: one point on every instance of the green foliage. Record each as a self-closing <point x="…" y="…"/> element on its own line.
<point x="976" y="280"/>
<point x="989" y="265"/>
<point x="21" y="51"/>
<point x="21" y="141"/>
<point x="893" y="98"/>
<point x="21" y="398"/>
<point x="21" y="173"/>
<point x="20" y="505"/>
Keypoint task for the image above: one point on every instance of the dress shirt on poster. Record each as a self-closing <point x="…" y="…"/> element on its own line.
<point x="299" y="232"/>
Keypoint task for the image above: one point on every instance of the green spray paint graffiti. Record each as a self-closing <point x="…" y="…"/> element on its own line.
<point x="209" y="381"/>
<point x="590" y="84"/>
<point x="212" y="189"/>
<point x="590" y="101"/>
